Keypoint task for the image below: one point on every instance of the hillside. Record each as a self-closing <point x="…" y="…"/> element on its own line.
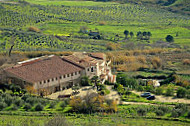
<point x="66" y="25"/>
<point x="176" y="6"/>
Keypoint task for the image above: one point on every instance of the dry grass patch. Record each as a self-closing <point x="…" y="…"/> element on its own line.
<point x="186" y="62"/>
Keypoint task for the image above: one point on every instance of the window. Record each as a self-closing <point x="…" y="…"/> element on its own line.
<point x="79" y="72"/>
<point x="60" y="77"/>
<point x="88" y="69"/>
<point x="40" y="82"/>
<point x="64" y="76"/>
<point x="56" y="78"/>
<point x="75" y="73"/>
<point x="52" y="79"/>
<point x="92" y="69"/>
<point x="72" y="74"/>
<point x="68" y="75"/>
<point x="44" y="81"/>
<point x="48" y="80"/>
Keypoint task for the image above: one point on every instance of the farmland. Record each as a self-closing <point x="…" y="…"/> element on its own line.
<point x="67" y="18"/>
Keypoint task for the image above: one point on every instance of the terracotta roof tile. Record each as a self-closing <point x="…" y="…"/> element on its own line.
<point x="98" y="55"/>
<point x="82" y="62"/>
<point x="43" y="69"/>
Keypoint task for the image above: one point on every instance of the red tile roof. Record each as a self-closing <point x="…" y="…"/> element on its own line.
<point x="98" y="55"/>
<point x="84" y="62"/>
<point x="43" y="69"/>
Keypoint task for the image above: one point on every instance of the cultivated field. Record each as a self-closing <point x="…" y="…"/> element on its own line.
<point x="52" y="21"/>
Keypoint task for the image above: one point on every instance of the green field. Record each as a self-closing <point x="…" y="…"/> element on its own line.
<point x="64" y="18"/>
<point x="87" y="120"/>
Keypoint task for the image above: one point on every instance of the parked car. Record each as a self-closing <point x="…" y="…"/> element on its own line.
<point x="146" y="94"/>
<point x="152" y="97"/>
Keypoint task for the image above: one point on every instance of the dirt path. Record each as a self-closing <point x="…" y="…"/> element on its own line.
<point x="115" y="96"/>
<point x="161" y="98"/>
<point x="83" y="91"/>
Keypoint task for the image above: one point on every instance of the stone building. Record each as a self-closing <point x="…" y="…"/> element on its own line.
<point x="49" y="74"/>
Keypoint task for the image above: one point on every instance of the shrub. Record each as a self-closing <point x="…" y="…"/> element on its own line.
<point x="179" y="110"/>
<point x="175" y="114"/>
<point x="159" y="112"/>
<point x="181" y="92"/>
<point x="58" y="121"/>
<point x="52" y="104"/>
<point x="1" y="99"/>
<point x="102" y="23"/>
<point x="156" y="62"/>
<point x="169" y="92"/>
<point x="18" y="102"/>
<point x="33" y="29"/>
<point x="159" y="91"/>
<point x="8" y="99"/>
<point x="102" y="92"/>
<point x="149" y="88"/>
<point x="186" y="62"/>
<point x="25" y="97"/>
<point x="188" y="94"/>
<point x="83" y="29"/>
<point x="31" y="100"/>
<point x="39" y="107"/>
<point x="42" y="101"/>
<point x="141" y="59"/>
<point x="140" y="88"/>
<point x="188" y="114"/>
<point x="181" y="106"/>
<point x="164" y="109"/>
<point x="2" y="105"/>
<point x="14" y="107"/>
<point x="66" y="100"/>
<point x="63" y="105"/>
<point x="120" y="89"/>
<point x="107" y="82"/>
<point x="27" y="106"/>
<point x="142" y="111"/>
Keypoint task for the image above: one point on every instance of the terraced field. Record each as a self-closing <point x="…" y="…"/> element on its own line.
<point x="67" y="18"/>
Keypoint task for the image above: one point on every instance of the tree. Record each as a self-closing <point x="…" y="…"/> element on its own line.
<point x="85" y="81"/>
<point x="12" y="40"/>
<point x="169" y="38"/>
<point x="149" y="34"/>
<point x="121" y="79"/>
<point x="139" y="35"/>
<point x="95" y="80"/>
<point x="126" y="33"/>
<point x="131" y="34"/>
<point x="30" y="89"/>
<point x="144" y="34"/>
